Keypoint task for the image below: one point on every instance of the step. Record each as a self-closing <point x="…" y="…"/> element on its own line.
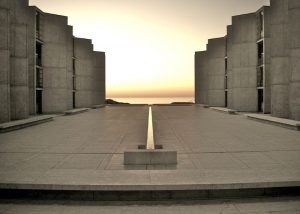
<point x="98" y="106"/>
<point x="76" y="111"/>
<point x="285" y="123"/>
<point x="224" y="110"/>
<point x="19" y="124"/>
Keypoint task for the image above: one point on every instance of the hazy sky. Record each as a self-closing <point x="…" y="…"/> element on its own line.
<point x="149" y="44"/>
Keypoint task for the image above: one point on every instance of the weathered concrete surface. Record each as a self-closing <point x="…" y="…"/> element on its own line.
<point x="14" y="53"/>
<point x="244" y="62"/>
<point x="294" y="58"/>
<point x="229" y="54"/>
<point x="280" y="65"/>
<point x="54" y="59"/>
<point x="99" y="86"/>
<point x="216" y="51"/>
<point x="85" y="151"/>
<point x="201" y="66"/>
<point x="5" y="66"/>
<point x="84" y="72"/>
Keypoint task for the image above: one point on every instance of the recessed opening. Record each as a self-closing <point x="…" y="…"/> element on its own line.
<point x="145" y="147"/>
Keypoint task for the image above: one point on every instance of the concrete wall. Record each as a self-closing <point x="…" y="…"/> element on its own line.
<point x="197" y="76"/>
<point x="230" y="98"/>
<point x="31" y="59"/>
<point x="84" y="72"/>
<point x="294" y="58"/>
<point x="243" y="61"/>
<point x="99" y="87"/>
<point x="201" y="64"/>
<point x="54" y="60"/>
<point x="18" y="64"/>
<point x="216" y="71"/>
<point x="69" y="61"/>
<point x="14" y="52"/>
<point x="5" y="63"/>
<point x="280" y="66"/>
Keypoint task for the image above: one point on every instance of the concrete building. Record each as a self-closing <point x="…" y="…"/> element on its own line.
<point x="261" y="63"/>
<point x="43" y="67"/>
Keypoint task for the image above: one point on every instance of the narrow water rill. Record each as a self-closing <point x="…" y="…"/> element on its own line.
<point x="150" y="133"/>
<point x="150" y="154"/>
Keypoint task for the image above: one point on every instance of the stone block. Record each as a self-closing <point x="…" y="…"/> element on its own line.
<point x="148" y="157"/>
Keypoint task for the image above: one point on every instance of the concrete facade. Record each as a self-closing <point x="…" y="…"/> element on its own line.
<point x="261" y="63"/>
<point x="201" y="69"/>
<point x="14" y="51"/>
<point x="285" y="55"/>
<point x="244" y="62"/>
<point x="90" y="74"/>
<point x="37" y="56"/>
<point x="216" y="71"/>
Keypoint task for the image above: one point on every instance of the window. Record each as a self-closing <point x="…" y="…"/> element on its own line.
<point x="38" y="54"/>
<point x="260" y="53"/>
<point x="39" y="78"/>
<point x="260" y="77"/>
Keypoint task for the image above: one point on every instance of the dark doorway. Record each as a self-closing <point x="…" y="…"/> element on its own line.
<point x="260" y="100"/>
<point x="39" y="101"/>
<point x="74" y="105"/>
<point x="226" y="99"/>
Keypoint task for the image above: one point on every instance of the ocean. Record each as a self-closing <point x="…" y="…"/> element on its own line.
<point x="153" y="100"/>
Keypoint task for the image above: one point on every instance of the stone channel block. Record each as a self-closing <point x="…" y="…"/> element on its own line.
<point x="150" y="157"/>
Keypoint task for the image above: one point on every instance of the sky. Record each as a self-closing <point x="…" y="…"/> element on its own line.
<point x="149" y="44"/>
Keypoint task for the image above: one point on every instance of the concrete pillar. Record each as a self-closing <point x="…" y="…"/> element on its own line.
<point x="54" y="62"/>
<point x="280" y="65"/>
<point x="31" y="30"/>
<point x="229" y="54"/>
<point x="244" y="62"/>
<point x="70" y="71"/>
<point x="294" y="56"/>
<point x="216" y="71"/>
<point x="19" y="37"/>
<point x="201" y="77"/>
<point x="5" y="64"/>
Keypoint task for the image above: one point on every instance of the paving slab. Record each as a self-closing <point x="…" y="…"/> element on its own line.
<point x="19" y="124"/>
<point x="215" y="152"/>
<point x="287" y="123"/>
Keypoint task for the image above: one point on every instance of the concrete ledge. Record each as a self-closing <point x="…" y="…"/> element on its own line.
<point x="19" y="124"/>
<point x="76" y="111"/>
<point x="148" y="157"/>
<point x="202" y="105"/>
<point x="128" y="195"/>
<point x="98" y="106"/>
<point x="285" y="123"/>
<point x="223" y="110"/>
